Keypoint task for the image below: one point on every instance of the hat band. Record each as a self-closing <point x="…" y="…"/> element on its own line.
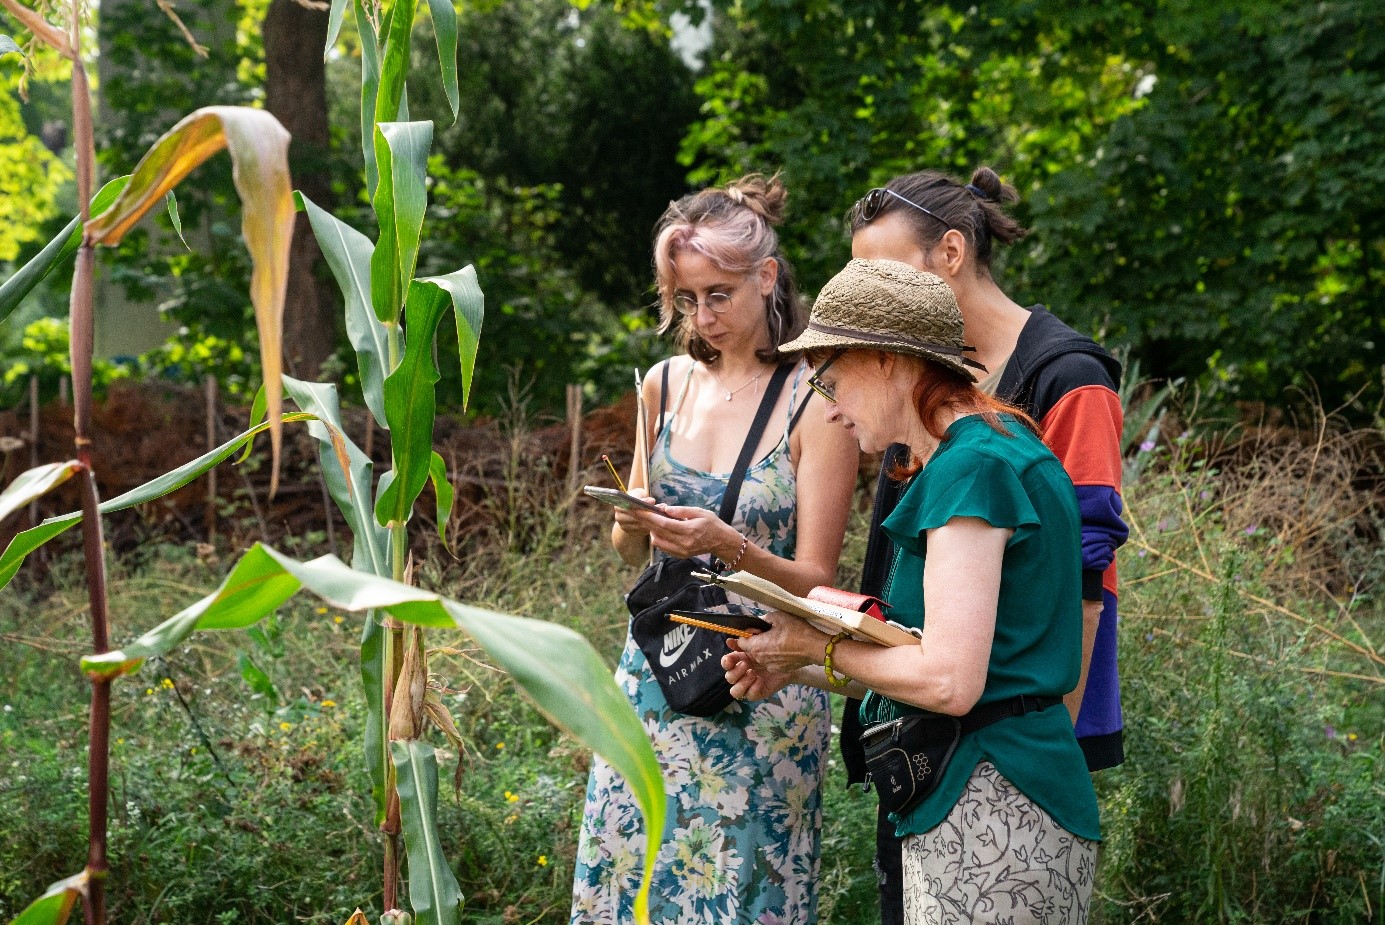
<point x="944" y="349"/>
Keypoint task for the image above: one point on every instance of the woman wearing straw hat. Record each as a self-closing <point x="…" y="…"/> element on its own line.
<point x="742" y="843"/>
<point x="987" y="535"/>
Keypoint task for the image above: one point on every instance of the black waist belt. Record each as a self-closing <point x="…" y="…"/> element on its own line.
<point x="983" y="716"/>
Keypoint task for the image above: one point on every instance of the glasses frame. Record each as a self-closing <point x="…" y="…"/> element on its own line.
<point x="869" y="206"/>
<point x="828" y="392"/>
<point x="686" y="298"/>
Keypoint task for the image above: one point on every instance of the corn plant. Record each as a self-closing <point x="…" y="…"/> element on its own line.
<point x="392" y="320"/>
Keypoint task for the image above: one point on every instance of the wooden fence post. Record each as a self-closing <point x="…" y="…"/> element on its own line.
<point x="210" y="389"/>
<point x="33" y="439"/>
<point x="574" y="423"/>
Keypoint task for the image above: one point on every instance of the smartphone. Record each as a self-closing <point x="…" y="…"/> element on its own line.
<point x="739" y="625"/>
<point x="626" y="502"/>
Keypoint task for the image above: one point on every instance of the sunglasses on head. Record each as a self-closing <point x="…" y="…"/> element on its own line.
<point x="869" y="205"/>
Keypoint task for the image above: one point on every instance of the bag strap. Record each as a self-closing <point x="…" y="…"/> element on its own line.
<point x="752" y="440"/>
<point x="983" y="716"/>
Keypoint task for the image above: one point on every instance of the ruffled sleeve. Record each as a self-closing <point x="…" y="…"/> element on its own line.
<point x="963" y="482"/>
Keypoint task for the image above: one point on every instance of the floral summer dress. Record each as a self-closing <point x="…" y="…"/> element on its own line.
<point x="744" y="787"/>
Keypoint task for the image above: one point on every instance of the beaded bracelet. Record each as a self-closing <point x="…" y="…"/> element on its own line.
<point x="740" y="554"/>
<point x="835" y="680"/>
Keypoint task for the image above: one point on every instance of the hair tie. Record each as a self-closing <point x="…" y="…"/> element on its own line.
<point x="977" y="192"/>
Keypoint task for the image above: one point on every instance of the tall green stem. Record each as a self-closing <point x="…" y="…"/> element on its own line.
<point x="393" y="660"/>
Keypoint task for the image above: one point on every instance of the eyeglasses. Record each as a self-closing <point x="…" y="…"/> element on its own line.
<point x="715" y="301"/>
<point x="815" y="382"/>
<point x="869" y="206"/>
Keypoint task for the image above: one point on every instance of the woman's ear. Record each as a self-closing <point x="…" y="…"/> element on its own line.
<point x="950" y="253"/>
<point x="769" y="276"/>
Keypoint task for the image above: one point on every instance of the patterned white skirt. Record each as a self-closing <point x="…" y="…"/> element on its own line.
<point x="997" y="859"/>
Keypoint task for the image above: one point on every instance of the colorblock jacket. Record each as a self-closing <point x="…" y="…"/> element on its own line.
<point x="1067" y="383"/>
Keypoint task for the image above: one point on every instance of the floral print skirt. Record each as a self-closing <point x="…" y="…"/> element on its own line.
<point x="997" y="859"/>
<point x="741" y="843"/>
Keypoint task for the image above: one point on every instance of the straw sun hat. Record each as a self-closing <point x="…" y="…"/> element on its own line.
<point x="890" y="306"/>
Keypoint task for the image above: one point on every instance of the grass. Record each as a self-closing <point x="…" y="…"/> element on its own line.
<point x="1254" y="789"/>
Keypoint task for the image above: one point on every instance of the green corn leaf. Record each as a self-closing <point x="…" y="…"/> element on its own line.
<point x="437" y="473"/>
<point x="469" y="309"/>
<point x="348" y="472"/>
<point x="445" y="30"/>
<point x="55" y="253"/>
<point x="175" y="218"/>
<point x="370" y="85"/>
<point x="377" y="754"/>
<point x="34" y="484"/>
<point x="335" y="17"/>
<point x="348" y="255"/>
<point x="55" y="905"/>
<point x="394" y="66"/>
<point x="31" y="539"/>
<point x="557" y="668"/>
<point x="8" y="47"/>
<point x="401" y="198"/>
<point x="433" y="890"/>
<point x="410" y="404"/>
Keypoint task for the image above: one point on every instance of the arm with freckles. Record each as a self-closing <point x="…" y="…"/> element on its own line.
<point x="945" y="673"/>
<point x="825" y="474"/>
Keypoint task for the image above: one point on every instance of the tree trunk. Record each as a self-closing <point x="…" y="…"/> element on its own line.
<point x="296" y="93"/>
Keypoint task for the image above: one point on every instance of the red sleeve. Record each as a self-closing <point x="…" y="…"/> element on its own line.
<point x="1084" y="431"/>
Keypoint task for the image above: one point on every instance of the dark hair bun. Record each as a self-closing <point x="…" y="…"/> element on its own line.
<point x="992" y="189"/>
<point x="764" y="196"/>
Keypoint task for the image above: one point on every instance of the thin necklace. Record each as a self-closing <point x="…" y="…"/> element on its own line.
<point x="731" y="392"/>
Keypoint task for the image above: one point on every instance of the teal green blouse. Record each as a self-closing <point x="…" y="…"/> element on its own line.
<point x="1013" y="482"/>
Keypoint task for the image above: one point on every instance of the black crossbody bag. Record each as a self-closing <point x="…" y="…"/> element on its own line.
<point x="906" y="757"/>
<point x="686" y="660"/>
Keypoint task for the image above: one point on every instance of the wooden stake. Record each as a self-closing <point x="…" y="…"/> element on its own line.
<point x="62" y="391"/>
<point x="574" y="423"/>
<point x="210" y="389"/>
<point x="369" y="433"/>
<point x="33" y="439"/>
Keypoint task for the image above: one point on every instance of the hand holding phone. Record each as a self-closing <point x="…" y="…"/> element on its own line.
<point x="624" y="500"/>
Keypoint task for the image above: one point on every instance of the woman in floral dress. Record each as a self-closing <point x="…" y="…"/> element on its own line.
<point x="744" y="786"/>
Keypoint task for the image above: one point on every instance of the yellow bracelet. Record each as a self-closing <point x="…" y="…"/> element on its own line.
<point x="834" y="680"/>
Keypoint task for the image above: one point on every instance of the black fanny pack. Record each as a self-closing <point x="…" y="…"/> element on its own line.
<point x="906" y="757"/>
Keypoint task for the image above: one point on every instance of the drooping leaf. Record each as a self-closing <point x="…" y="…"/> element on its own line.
<point x="175" y="218"/>
<point x="437" y="473"/>
<point x="469" y="309"/>
<point x="258" y="146"/>
<point x="34" y="484"/>
<point x="433" y="890"/>
<point x="348" y="255"/>
<point x="370" y="86"/>
<point x="445" y="30"/>
<point x="55" y="905"/>
<point x="55" y="253"/>
<point x="557" y="668"/>
<point x="348" y="472"/>
<point x="31" y="539"/>
<point x="8" y="47"/>
<point x="410" y="404"/>
<point x="401" y="153"/>
<point x="394" y="65"/>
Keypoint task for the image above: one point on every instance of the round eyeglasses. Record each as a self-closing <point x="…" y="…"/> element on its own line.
<point x="716" y="301"/>
<point x="869" y="206"/>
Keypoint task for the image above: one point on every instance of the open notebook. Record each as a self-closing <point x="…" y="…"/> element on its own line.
<point x="826" y="617"/>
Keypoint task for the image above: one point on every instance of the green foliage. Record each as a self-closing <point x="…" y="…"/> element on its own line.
<point x="1201" y="183"/>
<point x="31" y="177"/>
<point x="42" y="351"/>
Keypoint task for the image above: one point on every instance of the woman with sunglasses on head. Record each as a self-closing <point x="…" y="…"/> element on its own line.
<point x="1000" y="820"/>
<point x="1062" y="379"/>
<point x="742" y="841"/>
